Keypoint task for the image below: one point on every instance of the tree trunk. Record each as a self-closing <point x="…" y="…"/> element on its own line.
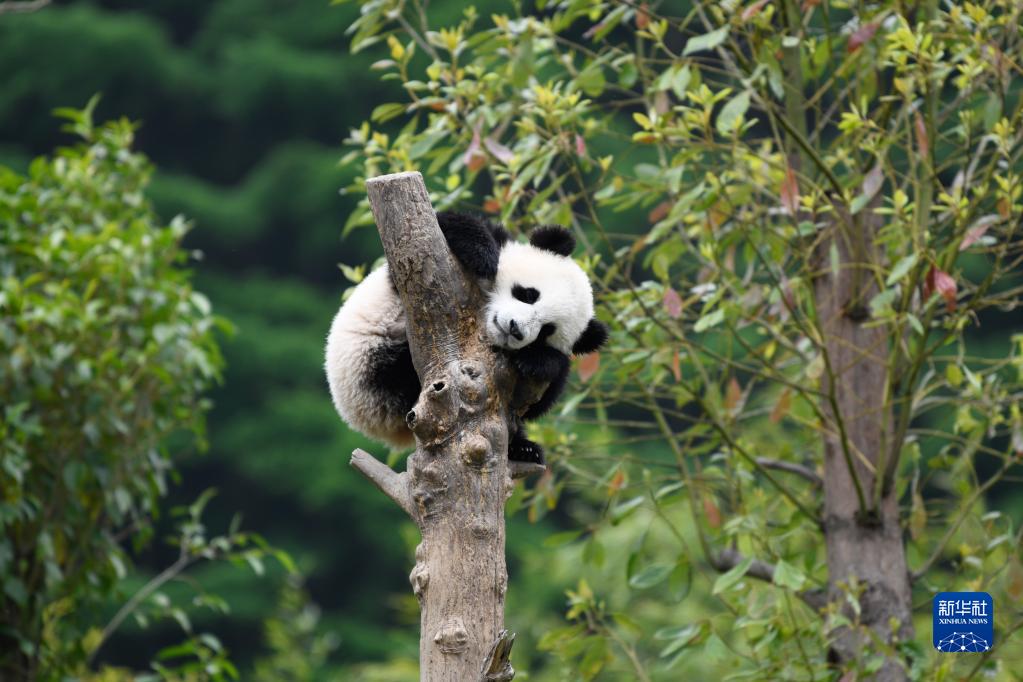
<point x="458" y="479"/>
<point x="865" y="549"/>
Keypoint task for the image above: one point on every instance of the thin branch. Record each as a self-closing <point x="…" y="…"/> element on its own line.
<point x="169" y="573"/>
<point x="792" y="468"/>
<point x="390" y="482"/>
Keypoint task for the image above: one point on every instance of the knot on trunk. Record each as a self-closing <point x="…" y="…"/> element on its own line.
<point x="452" y="638"/>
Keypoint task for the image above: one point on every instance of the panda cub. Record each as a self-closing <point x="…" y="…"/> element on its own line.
<point x="539" y="311"/>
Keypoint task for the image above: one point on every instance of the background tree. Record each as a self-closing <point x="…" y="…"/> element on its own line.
<point x="106" y="351"/>
<point x="833" y="194"/>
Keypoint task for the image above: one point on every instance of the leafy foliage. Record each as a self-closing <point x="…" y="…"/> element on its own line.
<point x="703" y="159"/>
<point x="106" y="351"/>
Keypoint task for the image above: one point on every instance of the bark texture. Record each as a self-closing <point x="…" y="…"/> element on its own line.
<point x="865" y="548"/>
<point x="458" y="479"/>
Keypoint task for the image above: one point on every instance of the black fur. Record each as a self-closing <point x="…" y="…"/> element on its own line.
<point x="594" y="336"/>
<point x="541" y="362"/>
<point x="393" y="375"/>
<point x="553" y="238"/>
<point x="475" y="242"/>
<point x="528" y="295"/>
<point x="521" y="449"/>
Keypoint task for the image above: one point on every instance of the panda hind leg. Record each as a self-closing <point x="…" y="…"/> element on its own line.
<point x="521" y="449"/>
<point x="393" y="377"/>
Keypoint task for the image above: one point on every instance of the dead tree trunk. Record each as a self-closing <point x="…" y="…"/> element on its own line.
<point x="861" y="521"/>
<point x="458" y="479"/>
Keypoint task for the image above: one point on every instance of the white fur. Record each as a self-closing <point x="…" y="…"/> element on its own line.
<point x="371" y="317"/>
<point x="566" y="298"/>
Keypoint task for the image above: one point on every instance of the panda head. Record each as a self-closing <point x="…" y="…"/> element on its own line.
<point x="540" y="293"/>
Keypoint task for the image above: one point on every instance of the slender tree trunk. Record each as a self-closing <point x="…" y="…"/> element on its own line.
<point x="865" y="550"/>
<point x="458" y="479"/>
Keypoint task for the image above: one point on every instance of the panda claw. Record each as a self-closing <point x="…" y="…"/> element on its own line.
<point x="523" y="450"/>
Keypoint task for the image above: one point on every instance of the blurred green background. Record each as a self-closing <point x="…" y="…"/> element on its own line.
<point x="244" y="105"/>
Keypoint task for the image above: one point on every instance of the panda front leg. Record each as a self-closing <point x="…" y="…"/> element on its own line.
<point x="473" y="241"/>
<point x="541" y="362"/>
<point x="537" y="362"/>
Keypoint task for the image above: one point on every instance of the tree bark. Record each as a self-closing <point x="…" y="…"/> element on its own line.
<point x="458" y="478"/>
<point x="865" y="549"/>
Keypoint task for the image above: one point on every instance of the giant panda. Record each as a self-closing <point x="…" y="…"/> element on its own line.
<point x="539" y="311"/>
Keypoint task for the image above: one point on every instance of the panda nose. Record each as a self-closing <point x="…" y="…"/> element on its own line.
<point x="514" y="330"/>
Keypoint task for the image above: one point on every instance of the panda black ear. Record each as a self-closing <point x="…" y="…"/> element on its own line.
<point x="554" y="239"/>
<point x="594" y="336"/>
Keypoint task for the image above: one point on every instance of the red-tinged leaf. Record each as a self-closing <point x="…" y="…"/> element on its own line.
<point x="659" y="212"/>
<point x="474" y="158"/>
<point x="616" y="483"/>
<point x="781" y="408"/>
<point x="580" y="146"/>
<point x="790" y="192"/>
<point x="643" y="16"/>
<point x="810" y="4"/>
<point x="672" y="303"/>
<point x="676" y="366"/>
<point x="978" y="230"/>
<point x="946" y="286"/>
<point x="862" y="35"/>
<point x="786" y="291"/>
<point x="872" y="181"/>
<point x="733" y="395"/>
<point x="710" y="509"/>
<point x="753" y="10"/>
<point x="1004" y="207"/>
<point x="588" y="365"/>
<point x="923" y="143"/>
<point x="492" y="206"/>
<point x="500" y="152"/>
<point x="940" y="282"/>
<point x="848" y="677"/>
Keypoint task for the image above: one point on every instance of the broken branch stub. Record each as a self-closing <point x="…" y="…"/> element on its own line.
<point x="458" y="479"/>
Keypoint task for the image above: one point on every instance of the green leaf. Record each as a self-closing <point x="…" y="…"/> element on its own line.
<point x="680" y="637"/>
<point x="652" y="575"/>
<point x="709" y="320"/>
<point x="732" y="113"/>
<point x="787" y="575"/>
<point x="857" y="204"/>
<point x="620" y="511"/>
<point x="591" y="80"/>
<point x="385" y="112"/>
<point x="706" y="42"/>
<point x="901" y="269"/>
<point x="726" y="580"/>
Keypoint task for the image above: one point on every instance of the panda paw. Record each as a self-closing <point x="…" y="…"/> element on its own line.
<point x="524" y="450"/>
<point x="472" y="241"/>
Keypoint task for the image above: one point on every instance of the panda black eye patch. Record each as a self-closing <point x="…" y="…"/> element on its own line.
<point x="525" y="294"/>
